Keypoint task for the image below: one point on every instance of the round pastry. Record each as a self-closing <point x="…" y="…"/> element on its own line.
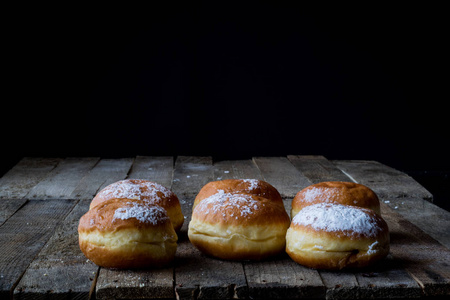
<point x="240" y="186"/>
<point x="127" y="233"/>
<point x="147" y="191"/>
<point x="347" y="193"/>
<point x="334" y="236"/>
<point x="238" y="227"/>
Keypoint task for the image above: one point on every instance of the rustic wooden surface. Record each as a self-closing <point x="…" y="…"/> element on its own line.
<point x="42" y="199"/>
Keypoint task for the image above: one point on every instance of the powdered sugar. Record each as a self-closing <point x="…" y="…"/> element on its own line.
<point x="336" y="217"/>
<point x="221" y="201"/>
<point x="134" y="189"/>
<point x="324" y="195"/>
<point x="311" y="194"/>
<point x="143" y="213"/>
<point x="371" y="250"/>
<point x="253" y="183"/>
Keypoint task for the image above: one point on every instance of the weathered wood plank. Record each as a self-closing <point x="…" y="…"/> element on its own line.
<point x="282" y="278"/>
<point x="280" y="172"/>
<point x="135" y="284"/>
<point x="8" y="207"/>
<point x="201" y="277"/>
<point x="387" y="280"/>
<point x="340" y="285"/>
<point x="132" y="284"/>
<point x="23" y="235"/>
<point x="317" y="168"/>
<point x="236" y="169"/>
<point x="284" y="176"/>
<point x="18" y="181"/>
<point x="196" y="275"/>
<point x="403" y="194"/>
<point x="105" y="172"/>
<point x="158" y="169"/>
<point x="418" y="265"/>
<point x="420" y="212"/>
<point x="61" y="269"/>
<point x="385" y="181"/>
<point x="63" y="180"/>
<point x="191" y="173"/>
<point x="424" y="258"/>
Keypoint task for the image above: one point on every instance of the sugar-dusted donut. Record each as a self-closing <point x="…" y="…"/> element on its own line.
<point x="127" y="233"/>
<point x="347" y="193"/>
<point x="238" y="227"/>
<point x="240" y="186"/>
<point x="147" y="191"/>
<point x="335" y="236"/>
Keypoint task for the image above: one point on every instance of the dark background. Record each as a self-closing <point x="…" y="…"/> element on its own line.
<point x="230" y="81"/>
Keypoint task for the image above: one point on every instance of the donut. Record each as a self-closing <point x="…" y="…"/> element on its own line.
<point x="239" y="186"/>
<point x="147" y="191"/>
<point x="347" y="193"/>
<point x="127" y="233"/>
<point x="334" y="236"/>
<point x="234" y="226"/>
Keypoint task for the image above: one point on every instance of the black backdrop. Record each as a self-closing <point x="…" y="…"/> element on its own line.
<point x="230" y="81"/>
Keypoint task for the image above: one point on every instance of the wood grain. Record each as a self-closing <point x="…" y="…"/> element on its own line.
<point x="105" y="172"/>
<point x="191" y="173"/>
<point x="63" y="180"/>
<point x="201" y="277"/>
<point x="284" y="176"/>
<point x="385" y="181"/>
<point x="236" y="169"/>
<point x="61" y="269"/>
<point x="24" y="234"/>
<point x="282" y="278"/>
<point x="18" y="181"/>
<point x="317" y="168"/>
<point x="8" y="207"/>
<point x="41" y="259"/>
<point x="424" y="258"/>
<point x="135" y="284"/>
<point x="158" y="169"/>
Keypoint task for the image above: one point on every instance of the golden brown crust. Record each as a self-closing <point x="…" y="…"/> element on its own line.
<point x="238" y="226"/>
<point x="239" y="210"/>
<point x="333" y="236"/>
<point x="143" y="190"/>
<point x="347" y="193"/>
<point x="102" y="216"/>
<point x="239" y="186"/>
<point x="127" y="233"/>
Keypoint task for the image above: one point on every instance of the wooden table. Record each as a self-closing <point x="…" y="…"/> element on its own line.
<point x="42" y="199"/>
